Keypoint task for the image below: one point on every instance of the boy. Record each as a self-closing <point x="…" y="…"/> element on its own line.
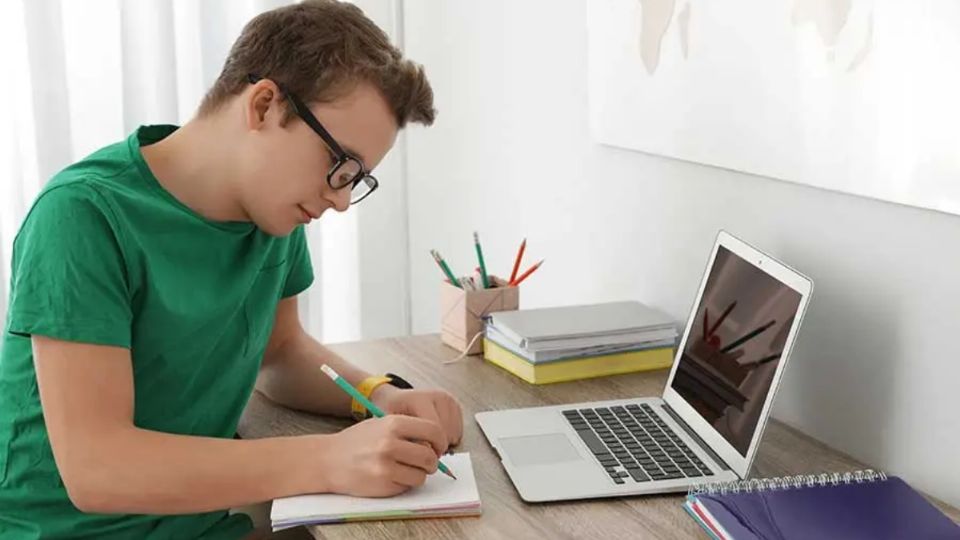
<point x="154" y="286"/>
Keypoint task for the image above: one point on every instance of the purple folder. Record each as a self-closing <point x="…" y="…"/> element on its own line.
<point x="872" y="510"/>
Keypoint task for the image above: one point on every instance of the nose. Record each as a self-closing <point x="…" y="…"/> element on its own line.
<point x="341" y="199"/>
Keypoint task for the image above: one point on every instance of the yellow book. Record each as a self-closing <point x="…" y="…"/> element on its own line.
<point x="580" y="368"/>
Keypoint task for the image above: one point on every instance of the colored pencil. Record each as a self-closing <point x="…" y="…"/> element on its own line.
<point x="723" y="316"/>
<point x="516" y="263"/>
<point x="524" y="275"/>
<point x="483" y="266"/>
<point x="748" y="337"/>
<point x="446" y="269"/>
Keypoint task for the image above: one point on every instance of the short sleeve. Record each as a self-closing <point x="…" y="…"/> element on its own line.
<point x="300" y="269"/>
<point x="68" y="274"/>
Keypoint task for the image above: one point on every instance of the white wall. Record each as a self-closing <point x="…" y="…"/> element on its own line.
<point x="381" y="223"/>
<point x="360" y="257"/>
<point x="875" y="370"/>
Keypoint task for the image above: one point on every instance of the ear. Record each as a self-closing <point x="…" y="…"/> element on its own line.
<point x="262" y="100"/>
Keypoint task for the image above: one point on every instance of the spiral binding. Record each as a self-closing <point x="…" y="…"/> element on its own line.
<point x="788" y="482"/>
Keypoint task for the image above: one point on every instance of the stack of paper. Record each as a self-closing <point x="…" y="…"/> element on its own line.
<point x="440" y="496"/>
<point x="575" y="342"/>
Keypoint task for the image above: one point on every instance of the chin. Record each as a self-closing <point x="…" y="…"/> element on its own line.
<point x="274" y="228"/>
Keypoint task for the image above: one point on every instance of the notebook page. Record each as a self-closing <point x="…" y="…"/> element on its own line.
<point x="439" y="492"/>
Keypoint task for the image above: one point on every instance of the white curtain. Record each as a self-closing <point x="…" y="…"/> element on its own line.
<point x="81" y="74"/>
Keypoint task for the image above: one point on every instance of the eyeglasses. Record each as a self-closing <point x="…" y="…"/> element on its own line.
<point x="347" y="170"/>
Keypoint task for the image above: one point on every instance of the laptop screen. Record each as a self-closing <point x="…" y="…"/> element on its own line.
<point x="734" y="346"/>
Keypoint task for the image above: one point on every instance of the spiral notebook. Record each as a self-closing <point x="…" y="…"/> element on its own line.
<point x="857" y="505"/>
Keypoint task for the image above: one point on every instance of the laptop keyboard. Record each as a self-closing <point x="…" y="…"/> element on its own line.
<point x="634" y="442"/>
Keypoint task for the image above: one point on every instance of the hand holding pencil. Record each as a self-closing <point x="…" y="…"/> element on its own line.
<point x="379" y="457"/>
<point x="422" y="429"/>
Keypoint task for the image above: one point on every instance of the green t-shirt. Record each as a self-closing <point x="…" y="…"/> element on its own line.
<point x="107" y="256"/>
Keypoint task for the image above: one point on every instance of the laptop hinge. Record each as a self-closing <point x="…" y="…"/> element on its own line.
<point x="693" y="435"/>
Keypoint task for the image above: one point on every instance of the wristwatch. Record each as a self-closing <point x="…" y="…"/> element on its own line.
<point x="398" y="381"/>
<point x="368" y="385"/>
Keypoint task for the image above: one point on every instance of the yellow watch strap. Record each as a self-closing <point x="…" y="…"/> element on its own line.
<point x="366" y="387"/>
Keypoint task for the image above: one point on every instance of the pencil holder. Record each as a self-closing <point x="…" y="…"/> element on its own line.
<point x="462" y="312"/>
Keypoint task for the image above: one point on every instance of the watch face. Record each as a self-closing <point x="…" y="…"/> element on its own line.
<point x="398" y="381"/>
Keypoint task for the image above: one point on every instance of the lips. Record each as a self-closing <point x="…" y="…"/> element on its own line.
<point x="307" y="217"/>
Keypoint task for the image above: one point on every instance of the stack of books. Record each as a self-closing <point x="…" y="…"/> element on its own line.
<point x="558" y="344"/>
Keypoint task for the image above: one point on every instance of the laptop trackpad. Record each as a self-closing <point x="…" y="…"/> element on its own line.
<point x="539" y="449"/>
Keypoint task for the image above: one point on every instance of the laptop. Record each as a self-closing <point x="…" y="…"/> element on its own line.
<point x="708" y="423"/>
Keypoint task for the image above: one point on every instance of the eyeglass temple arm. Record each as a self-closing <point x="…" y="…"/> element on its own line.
<point x="303" y="112"/>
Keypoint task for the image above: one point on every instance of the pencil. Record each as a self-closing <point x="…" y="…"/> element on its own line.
<point x="524" y="275"/>
<point x="723" y="316"/>
<point x="516" y="263"/>
<point x="483" y="267"/>
<point x="446" y="269"/>
<point x="355" y="394"/>
<point x="764" y="360"/>
<point x="748" y="337"/>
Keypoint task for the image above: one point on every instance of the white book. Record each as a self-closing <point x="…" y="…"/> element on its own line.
<point x="583" y="326"/>
<point x="553" y="355"/>
<point x="440" y="496"/>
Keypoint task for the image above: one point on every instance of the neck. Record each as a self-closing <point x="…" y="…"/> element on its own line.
<point x="192" y="165"/>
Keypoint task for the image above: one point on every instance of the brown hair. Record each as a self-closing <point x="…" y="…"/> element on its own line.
<point x="320" y="50"/>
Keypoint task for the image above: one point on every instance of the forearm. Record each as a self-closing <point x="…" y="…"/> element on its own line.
<point x="291" y="376"/>
<point x="151" y="472"/>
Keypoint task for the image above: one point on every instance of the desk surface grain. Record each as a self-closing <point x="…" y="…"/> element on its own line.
<point x="481" y="387"/>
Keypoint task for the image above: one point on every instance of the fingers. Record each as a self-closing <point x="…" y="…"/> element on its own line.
<point x="449" y="416"/>
<point x="408" y="476"/>
<point x="415" y="455"/>
<point x="452" y="417"/>
<point x="426" y="410"/>
<point x="418" y="429"/>
<point x="407" y="463"/>
<point x="444" y="410"/>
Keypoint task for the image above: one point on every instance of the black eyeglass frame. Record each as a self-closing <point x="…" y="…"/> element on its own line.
<point x="341" y="156"/>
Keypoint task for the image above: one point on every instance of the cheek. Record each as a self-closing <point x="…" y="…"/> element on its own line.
<point x="286" y="176"/>
<point x="289" y="168"/>
<point x="304" y="166"/>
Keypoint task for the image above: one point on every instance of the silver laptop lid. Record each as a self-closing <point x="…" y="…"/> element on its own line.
<point x="735" y="347"/>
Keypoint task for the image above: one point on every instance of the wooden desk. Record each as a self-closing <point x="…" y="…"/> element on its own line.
<point x="480" y="387"/>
